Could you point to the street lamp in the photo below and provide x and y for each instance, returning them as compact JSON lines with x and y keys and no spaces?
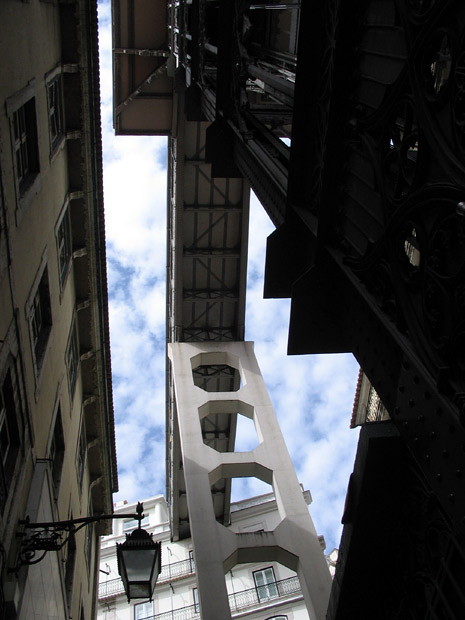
{"x":139,"y":563}
{"x":139,"y":557}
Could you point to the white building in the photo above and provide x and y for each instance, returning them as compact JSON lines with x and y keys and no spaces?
{"x":260,"y":591}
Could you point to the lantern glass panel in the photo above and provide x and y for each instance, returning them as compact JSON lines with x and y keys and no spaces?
{"x":139,"y":563}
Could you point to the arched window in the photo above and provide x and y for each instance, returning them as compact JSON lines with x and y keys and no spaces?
{"x":277,"y":618}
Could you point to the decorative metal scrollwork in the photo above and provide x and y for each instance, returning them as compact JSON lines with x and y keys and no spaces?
{"x":324,"y":97}
{"x":35,"y":543}
{"x":413,"y":260}
{"x":53,"y":536}
{"x":458,"y":99}
{"x":437,"y":65}
{"x":420,"y":8}
{"x":401,"y":151}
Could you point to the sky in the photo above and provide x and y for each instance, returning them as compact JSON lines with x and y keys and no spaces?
{"x":312,"y":395}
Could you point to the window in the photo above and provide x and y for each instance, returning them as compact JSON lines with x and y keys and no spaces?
{"x":57,"y":452}
{"x":265,"y":584}
{"x":195,"y":594}
{"x":55,"y":111}
{"x":21,"y":111}
{"x":277,"y":618}
{"x":131,"y":524}
{"x":72,"y":358}
{"x":25,"y":144}
{"x":70,"y":565}
{"x":64,"y":244}
{"x":143,"y":610}
{"x":9,"y":433}
{"x":40,"y":319}
{"x":81,"y":455}
{"x":89,"y":541}
{"x":191,"y":560}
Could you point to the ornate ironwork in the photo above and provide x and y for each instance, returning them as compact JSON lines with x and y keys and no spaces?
{"x":175,"y":570}
{"x":37,"y":539}
{"x":375,"y":410}
{"x":238,"y":601}
{"x":408,"y":151}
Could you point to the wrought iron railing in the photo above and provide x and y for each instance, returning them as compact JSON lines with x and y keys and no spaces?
{"x":375,"y":410}
{"x":183,"y":613}
{"x":177,"y":569}
{"x":168,"y":573}
{"x":239,"y":600}
{"x":110,"y":588}
{"x":264,"y":593}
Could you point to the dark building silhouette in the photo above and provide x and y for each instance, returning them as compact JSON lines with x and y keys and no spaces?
{"x":367,"y":191}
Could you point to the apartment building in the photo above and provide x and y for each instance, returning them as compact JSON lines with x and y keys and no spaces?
{"x":57,"y":451}
{"x":256,"y":591}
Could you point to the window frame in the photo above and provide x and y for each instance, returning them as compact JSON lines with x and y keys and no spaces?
{"x":70,"y":568}
{"x":141,"y":605}
{"x":131,"y":524}
{"x":260,"y":588}
{"x":23,"y":106}
{"x":40,"y":327}
{"x":72,"y":358}
{"x":195,"y":598}
{"x":11,"y":420}
{"x":56,"y":450}
{"x":3,"y":237}
{"x":81,"y":455}
{"x":64,"y":241}
{"x":90,"y":536}
{"x":55,"y":109}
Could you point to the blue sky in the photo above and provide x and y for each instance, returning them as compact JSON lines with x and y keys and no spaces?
{"x":312,"y":395}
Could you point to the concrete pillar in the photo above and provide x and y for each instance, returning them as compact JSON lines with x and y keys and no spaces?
{"x":294,"y":542}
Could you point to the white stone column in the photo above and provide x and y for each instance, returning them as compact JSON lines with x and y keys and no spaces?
{"x":294,"y":542}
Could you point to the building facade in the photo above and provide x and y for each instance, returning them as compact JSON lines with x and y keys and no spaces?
{"x":57,"y":451}
{"x":368,"y":406}
{"x":257,"y":591}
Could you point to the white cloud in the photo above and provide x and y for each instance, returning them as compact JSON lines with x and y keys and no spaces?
{"x":135,"y":209}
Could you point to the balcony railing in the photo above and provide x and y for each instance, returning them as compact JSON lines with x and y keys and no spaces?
{"x":239,"y":600}
{"x":177,"y":569}
{"x":110,"y":588}
{"x":262,"y":594}
{"x":183,"y":613}
{"x":168,"y":573}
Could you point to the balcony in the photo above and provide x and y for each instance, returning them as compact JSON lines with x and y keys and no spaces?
{"x":169,"y":572}
{"x":275,"y":591}
{"x":264,"y":594}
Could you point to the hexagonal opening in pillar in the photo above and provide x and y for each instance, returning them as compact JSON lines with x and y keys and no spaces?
{"x":216,"y":372}
{"x":247,"y":478}
{"x":247,"y":487}
{"x":228,"y":426}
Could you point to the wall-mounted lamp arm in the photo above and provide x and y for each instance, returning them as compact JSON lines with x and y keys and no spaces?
{"x":53,"y":535}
